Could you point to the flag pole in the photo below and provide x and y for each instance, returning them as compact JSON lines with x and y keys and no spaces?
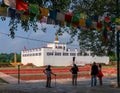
{"x":118,"y":50}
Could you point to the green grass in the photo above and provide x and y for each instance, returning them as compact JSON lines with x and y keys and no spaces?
{"x":109,"y":66}
{"x":3,"y":81}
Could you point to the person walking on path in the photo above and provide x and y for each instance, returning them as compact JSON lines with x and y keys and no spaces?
{"x":94,"y":72}
{"x":48,"y":73}
{"x":74,"y":70}
{"x":100,"y":74}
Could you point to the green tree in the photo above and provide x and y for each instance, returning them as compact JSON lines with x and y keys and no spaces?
{"x":91,"y":39}
{"x":18,"y":57}
{"x":3,"y":58}
{"x":11,"y":57}
{"x":7,"y":58}
{"x":88,"y":39}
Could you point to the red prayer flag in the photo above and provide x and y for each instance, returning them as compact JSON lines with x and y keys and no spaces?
{"x":107,"y":19}
{"x":68,"y":17}
{"x":99,"y":25}
{"x":21,"y":5}
{"x":105,"y":34}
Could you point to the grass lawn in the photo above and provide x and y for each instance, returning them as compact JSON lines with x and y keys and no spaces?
{"x":110,"y":66}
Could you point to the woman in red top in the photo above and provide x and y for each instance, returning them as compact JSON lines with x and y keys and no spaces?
{"x":100,"y":74}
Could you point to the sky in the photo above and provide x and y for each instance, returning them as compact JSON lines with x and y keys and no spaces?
{"x":9,"y":45}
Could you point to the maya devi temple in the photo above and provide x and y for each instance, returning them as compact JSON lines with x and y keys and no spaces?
{"x":57,"y":54}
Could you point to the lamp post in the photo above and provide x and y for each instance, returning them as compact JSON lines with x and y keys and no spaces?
{"x":118,"y":45}
{"x":73,"y":60}
{"x":18,"y":73}
{"x":118,"y":58}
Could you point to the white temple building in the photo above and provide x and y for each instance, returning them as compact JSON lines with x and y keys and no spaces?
{"x":57,"y":54}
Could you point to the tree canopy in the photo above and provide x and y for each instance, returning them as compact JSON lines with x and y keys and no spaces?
{"x":89,"y":39}
{"x":7,"y":58}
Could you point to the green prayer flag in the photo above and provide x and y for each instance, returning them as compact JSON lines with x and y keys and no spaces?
{"x":34,"y":9}
{"x":76,"y":17}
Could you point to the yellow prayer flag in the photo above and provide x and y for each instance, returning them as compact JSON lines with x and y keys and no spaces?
{"x":44,"y":11}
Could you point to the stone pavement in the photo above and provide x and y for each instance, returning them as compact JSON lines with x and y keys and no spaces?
{"x":60,"y":86}
{"x":8,"y":78}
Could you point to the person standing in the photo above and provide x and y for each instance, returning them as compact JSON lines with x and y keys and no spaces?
{"x":94,"y":72}
{"x":100,"y":74}
{"x":74,"y":70}
{"x":48,"y":73}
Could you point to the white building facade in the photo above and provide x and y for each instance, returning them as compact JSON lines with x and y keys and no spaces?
{"x":57,"y":54}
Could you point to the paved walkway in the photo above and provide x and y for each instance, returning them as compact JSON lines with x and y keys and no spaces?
{"x":8,"y":78}
{"x":58,"y":86}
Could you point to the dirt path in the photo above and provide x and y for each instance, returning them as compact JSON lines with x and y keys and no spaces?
{"x":37,"y":73}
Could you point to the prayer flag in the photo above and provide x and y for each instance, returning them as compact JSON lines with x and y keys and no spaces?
{"x":33,"y":8}
{"x":44,"y":11}
{"x":3,"y":11}
{"x":82,"y":22}
{"x":88,"y":23}
{"x":10,"y":3}
{"x":107,"y":19}
{"x":99,"y":25}
{"x":21,"y":5}
{"x":68,"y":17}
{"x":76,"y":17}
{"x":60,"y":16}
{"x":53,"y":14}
{"x":105,"y":38}
{"x":83,"y":15}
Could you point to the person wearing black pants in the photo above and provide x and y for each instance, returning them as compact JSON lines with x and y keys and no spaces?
{"x":74,"y":70}
{"x":48,"y":73}
{"x":94,"y":73}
